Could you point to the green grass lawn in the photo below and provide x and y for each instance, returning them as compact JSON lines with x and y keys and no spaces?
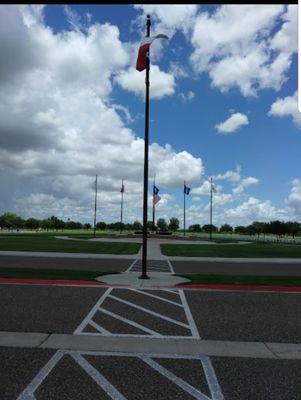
{"x":264,"y":250}
{"x":222,"y":240}
{"x":41,"y":242}
{"x":35,"y":273}
{"x":244,"y":280}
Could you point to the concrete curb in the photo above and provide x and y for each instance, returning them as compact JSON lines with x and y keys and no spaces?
{"x":59,"y":282}
{"x":185,"y":347}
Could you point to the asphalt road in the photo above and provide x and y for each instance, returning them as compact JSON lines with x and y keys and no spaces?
{"x":77,"y":264}
{"x":119,"y":265}
{"x":228,"y":268}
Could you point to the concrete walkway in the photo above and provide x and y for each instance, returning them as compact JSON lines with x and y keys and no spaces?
{"x":185,"y":347}
{"x":153,"y":251}
{"x":156,"y":279}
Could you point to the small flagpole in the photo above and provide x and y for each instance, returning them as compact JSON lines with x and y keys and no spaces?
{"x":184,"y":208}
{"x":95,"y":206}
{"x":211,"y":208}
{"x":146,"y":140}
{"x":121,"y":208}
{"x":154,"y":203}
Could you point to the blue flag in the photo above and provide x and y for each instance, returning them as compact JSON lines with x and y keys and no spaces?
{"x":156,"y":190}
{"x":186,"y":189}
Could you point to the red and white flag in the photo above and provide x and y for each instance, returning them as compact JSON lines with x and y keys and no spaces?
{"x":144,"y":50}
{"x":157,"y":198}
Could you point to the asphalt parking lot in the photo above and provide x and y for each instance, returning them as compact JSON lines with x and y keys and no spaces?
{"x":101,"y":376}
{"x":172,"y":315}
{"x":274,"y":317}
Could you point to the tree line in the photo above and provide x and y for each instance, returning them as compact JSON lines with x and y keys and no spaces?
{"x":12,"y":221}
{"x":278,"y":228}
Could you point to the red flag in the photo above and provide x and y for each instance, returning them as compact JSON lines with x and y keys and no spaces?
{"x":144,"y":49}
{"x":122,"y":188}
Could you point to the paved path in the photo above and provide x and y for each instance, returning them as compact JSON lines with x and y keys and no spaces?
{"x":153,"y":251}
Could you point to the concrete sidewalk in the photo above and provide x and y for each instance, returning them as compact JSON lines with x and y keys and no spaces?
{"x":184,"y":347}
{"x":157,"y":279}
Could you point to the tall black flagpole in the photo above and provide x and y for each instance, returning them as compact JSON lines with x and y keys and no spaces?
{"x":154,"y":204}
{"x":95,"y":206}
{"x":211,"y":208}
{"x":184,"y":210}
{"x":146,"y":140}
{"x":121,"y":207}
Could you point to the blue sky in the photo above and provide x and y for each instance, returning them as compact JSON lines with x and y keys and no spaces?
{"x":223,"y":101}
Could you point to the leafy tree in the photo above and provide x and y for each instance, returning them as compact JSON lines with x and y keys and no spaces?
{"x":240,"y":229}
{"x":11,"y":221}
{"x":195,"y":228}
{"x":137,"y":226}
{"x":150,"y":226}
{"x":256,"y":227}
{"x":57,"y":223}
{"x":128,"y":227}
{"x":173,"y":224}
{"x":207,"y":228}
{"x":32,"y":223}
{"x":277,"y":228}
{"x":292,"y":228}
{"x":162,"y":225}
{"x":101,"y":225}
{"x":47,"y":224}
{"x":226,"y":228}
{"x":73,"y":225}
{"x":87,"y":226}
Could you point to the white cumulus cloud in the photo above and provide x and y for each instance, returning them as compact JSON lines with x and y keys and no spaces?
{"x":293,"y":202}
{"x":287,"y":107}
{"x":162,"y":83}
{"x":238,"y":46}
{"x":233,"y":123}
{"x":59,"y":126}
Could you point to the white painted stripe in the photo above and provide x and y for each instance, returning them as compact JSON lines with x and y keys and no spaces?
{"x":86,"y":320}
{"x":28,"y":393}
{"x":213,"y":384}
{"x":149,"y":311}
{"x":175,"y":379}
{"x":133,"y":323}
{"x":170,"y":266}
{"x":98,"y":328}
{"x":175,"y":291}
{"x":131,"y":335}
{"x":192,"y":325}
{"x":144,"y":292}
{"x":131,"y":266}
{"x":98,"y":377}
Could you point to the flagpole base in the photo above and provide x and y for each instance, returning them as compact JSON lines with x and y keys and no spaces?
{"x":144,"y":276}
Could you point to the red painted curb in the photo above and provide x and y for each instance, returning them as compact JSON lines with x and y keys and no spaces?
{"x":193,"y":286}
{"x":244,"y":287}
{"x":50,"y":281}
